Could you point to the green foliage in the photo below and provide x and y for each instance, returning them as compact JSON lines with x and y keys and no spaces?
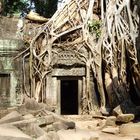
{"x":14,"y":6}
{"x":46,"y":9}
{"x":95,"y":27}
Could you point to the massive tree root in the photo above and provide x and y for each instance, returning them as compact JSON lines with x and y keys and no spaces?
{"x":108,"y":30}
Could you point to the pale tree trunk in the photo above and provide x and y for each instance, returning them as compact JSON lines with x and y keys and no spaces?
{"x":110,"y":54}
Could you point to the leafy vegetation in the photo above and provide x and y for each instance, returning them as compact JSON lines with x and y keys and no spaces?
{"x":95,"y":27}
{"x":14,"y":6}
{"x":45,"y":8}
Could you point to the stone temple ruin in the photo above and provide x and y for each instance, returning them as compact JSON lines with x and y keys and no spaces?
{"x":10,"y":69}
{"x":10,"y":72}
{"x":66,"y":82}
{"x":71,"y":89}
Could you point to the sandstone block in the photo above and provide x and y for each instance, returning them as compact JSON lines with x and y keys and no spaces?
{"x":117,"y":111}
{"x":59,"y":125}
{"x":111,"y":121}
{"x":111,"y":130}
{"x":11,"y":117}
{"x":125,"y":118}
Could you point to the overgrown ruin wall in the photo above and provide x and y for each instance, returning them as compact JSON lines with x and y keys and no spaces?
{"x":10,"y":72}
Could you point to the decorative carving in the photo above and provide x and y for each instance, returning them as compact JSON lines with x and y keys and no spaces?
{"x":69,"y":72}
{"x":67,"y":58}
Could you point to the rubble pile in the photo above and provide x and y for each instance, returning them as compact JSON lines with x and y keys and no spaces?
{"x":36,"y":121}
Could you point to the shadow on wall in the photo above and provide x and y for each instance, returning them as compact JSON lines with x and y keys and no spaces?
{"x":118,"y":99}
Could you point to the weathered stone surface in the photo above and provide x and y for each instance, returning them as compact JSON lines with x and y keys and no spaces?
{"x":117,"y":111}
{"x":49,"y":119}
{"x":125,"y":118}
{"x":11,"y":117}
{"x":130,"y":129}
{"x":126,"y":107}
{"x":9,"y":132}
{"x":33,"y":130}
{"x":41,"y":121}
{"x":3,"y":112}
{"x":46,"y":106}
{"x":70,"y":125}
{"x":111,"y":130}
{"x":59,"y":125}
{"x":10,"y":109}
{"x":111,"y":121}
{"x":49,"y":128}
{"x":101,"y":124}
{"x":31,"y":104}
{"x":45,"y":120}
{"x":28,"y":116}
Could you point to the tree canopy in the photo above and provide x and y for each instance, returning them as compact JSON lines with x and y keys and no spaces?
{"x":44,"y":8}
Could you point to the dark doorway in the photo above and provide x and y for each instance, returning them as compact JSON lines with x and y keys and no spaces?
{"x":69,"y":97}
{"x":4,"y":89}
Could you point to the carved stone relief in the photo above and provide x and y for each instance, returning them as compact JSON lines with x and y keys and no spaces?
{"x":67,"y":58}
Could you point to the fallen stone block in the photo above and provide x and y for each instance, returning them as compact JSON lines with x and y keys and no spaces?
{"x":49,"y":128}
{"x":125,"y":118}
{"x":117,"y":110}
{"x":47,"y":107}
{"x":101,"y":124}
{"x":111,"y":121}
{"x":49,"y":119}
{"x":11,"y":117}
{"x":70,"y":125}
{"x":23,"y":123}
{"x":111,"y":130}
{"x":41,"y":121}
{"x":60,"y":126}
{"x":28,"y":116}
{"x":33,"y":130}
{"x":126,"y":107}
{"x":9,"y":132}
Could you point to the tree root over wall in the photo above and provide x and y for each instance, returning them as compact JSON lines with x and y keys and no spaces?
{"x":108,"y":30}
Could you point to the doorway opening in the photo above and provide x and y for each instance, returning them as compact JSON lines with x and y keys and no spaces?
{"x":4,"y":89}
{"x":69,"y":97}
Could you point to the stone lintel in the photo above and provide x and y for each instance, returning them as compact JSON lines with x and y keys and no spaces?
{"x":69,"y":72}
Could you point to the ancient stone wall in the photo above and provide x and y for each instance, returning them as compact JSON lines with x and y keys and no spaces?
{"x":10,"y":68}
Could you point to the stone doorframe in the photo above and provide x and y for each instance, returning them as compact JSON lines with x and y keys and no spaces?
{"x":80,"y":91}
{"x":59,"y":74}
